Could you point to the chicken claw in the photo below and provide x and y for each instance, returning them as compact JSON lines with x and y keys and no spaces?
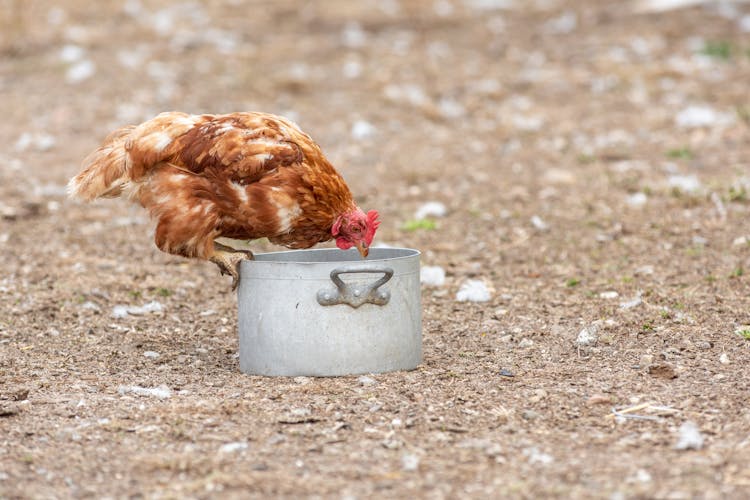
{"x":229,"y":263}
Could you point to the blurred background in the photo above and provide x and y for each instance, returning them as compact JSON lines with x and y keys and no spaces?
{"x":419,"y":90}
{"x":583,"y":165}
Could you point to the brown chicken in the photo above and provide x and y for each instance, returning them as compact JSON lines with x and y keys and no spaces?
{"x":241,"y":175}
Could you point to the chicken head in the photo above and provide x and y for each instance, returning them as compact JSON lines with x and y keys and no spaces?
{"x":356,"y":229}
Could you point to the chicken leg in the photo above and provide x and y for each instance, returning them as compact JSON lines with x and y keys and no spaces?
{"x":228,"y":259}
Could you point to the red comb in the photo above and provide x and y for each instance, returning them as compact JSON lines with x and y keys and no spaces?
{"x":372,"y":225}
{"x":372,"y":218}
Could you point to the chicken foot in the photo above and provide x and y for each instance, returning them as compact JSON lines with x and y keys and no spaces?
{"x":228,"y":259}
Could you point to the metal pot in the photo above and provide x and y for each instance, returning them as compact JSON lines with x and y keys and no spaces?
{"x":328,"y":312}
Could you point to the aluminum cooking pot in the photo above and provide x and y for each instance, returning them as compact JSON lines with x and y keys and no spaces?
{"x":329,"y":312}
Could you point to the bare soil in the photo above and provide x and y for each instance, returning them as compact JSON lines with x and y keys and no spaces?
{"x":559,"y":136}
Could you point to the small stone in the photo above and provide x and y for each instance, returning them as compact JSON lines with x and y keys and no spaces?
{"x":636,"y":200}
{"x":629,"y":304}
{"x":90,"y":306}
{"x":563,"y":24}
{"x":120,"y":311}
{"x":539,"y":395}
{"x":233,"y":447}
{"x":433,"y":276}
{"x":559,"y":176}
{"x":123,"y":311}
{"x":300,"y":412}
{"x":410,"y":462}
{"x":646,"y":361}
{"x":686,"y":183}
{"x":71,"y":53}
{"x":535,"y":456}
{"x":160,"y":392}
{"x":701,"y":116}
{"x":724,"y":359}
{"x":588,"y":336}
{"x":489,"y":5}
{"x":80,"y":71}
{"x":610,"y":294}
{"x":407,"y":93}
{"x":740,"y":241}
{"x":642,"y":476}
{"x":148,"y":307}
{"x":505,"y":373}
{"x":474,"y":291}
{"x":391,"y":444}
{"x":703,"y":344}
{"x":530,"y":415}
{"x":539,"y":223}
{"x":8,"y":213}
{"x":352,"y":69}
{"x":450,"y":108}
{"x":527,"y":123}
{"x":44,"y":142}
{"x":39,"y":142}
{"x":353,"y":36}
{"x":524,"y":343}
{"x":644,"y":270}
{"x":302,"y":380}
{"x":430,"y":209}
{"x":152,"y":354}
{"x":365,"y":380}
{"x":690,"y":437}
{"x":362,"y":130}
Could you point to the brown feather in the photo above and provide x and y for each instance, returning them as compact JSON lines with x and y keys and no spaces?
{"x":241,"y":175}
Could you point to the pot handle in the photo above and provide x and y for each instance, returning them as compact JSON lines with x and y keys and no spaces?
{"x":355,"y":295}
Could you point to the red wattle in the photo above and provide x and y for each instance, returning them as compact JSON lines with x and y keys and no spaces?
{"x":343,"y":243}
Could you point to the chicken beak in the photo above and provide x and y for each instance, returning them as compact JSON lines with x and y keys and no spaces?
{"x":363,"y":249}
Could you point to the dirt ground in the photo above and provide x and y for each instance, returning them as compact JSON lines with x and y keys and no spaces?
{"x":595,"y":166}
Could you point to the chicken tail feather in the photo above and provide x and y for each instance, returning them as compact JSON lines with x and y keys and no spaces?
{"x":106,"y":170}
{"x":128,"y":154}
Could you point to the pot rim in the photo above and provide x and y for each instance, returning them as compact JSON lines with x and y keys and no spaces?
{"x":408,"y":253}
